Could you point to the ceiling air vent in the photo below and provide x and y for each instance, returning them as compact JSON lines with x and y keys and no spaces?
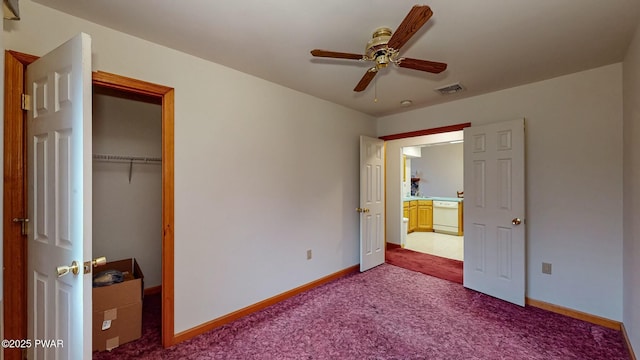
{"x":450,"y":89}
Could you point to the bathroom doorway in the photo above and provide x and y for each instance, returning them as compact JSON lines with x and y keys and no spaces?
{"x":396,"y":187}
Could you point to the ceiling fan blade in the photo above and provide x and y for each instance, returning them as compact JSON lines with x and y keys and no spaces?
{"x":366,"y":79}
{"x":422,"y":65}
{"x":414,"y":20}
{"x":334,"y":54}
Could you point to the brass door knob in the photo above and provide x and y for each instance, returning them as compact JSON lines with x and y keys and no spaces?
{"x":516,"y":221}
{"x":64,"y":270}
{"x":100,"y":261}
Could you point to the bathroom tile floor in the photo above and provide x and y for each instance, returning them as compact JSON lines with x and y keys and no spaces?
{"x":448,"y":246}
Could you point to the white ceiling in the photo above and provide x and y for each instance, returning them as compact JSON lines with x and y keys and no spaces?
{"x":488,"y":45}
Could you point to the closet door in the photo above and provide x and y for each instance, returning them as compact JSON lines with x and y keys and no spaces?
{"x":59,"y":202}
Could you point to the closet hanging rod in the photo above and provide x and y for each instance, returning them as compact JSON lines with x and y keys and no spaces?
{"x":123,"y":158}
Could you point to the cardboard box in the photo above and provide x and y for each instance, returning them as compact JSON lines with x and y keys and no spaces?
{"x":117,"y":308}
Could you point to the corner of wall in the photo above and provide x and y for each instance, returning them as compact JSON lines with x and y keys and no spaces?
{"x":631,"y":169}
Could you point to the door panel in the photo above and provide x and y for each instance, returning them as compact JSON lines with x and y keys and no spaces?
{"x":371,"y":202}
{"x":59,"y":200}
{"x":494,"y":247}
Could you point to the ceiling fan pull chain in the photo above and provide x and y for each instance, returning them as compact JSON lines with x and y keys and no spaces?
{"x":375,"y":87}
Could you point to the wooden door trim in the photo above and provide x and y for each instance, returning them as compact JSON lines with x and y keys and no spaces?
{"x":166,"y":94}
{"x":431,"y":131}
{"x":14,"y":204}
{"x":14,"y":200}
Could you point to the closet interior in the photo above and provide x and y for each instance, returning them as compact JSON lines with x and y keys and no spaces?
{"x":127,"y":182}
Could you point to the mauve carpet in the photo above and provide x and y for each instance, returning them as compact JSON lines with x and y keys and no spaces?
{"x":386,"y":313}
{"x":440,"y":267}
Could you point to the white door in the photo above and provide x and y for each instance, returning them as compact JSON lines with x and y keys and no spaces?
{"x":494,"y":210}
{"x":371,"y":202}
{"x":59,"y":201}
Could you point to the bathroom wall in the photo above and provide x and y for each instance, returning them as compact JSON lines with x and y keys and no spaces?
{"x":440,"y":169}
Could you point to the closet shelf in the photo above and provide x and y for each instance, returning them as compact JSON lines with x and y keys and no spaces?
{"x":128,"y":159}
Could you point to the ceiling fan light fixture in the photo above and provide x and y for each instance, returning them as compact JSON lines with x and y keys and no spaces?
{"x":378,"y":41}
{"x":382,"y":61}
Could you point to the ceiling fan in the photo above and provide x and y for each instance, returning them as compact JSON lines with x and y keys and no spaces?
{"x":384,"y":48}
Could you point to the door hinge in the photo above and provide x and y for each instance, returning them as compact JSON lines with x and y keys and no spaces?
{"x":24,"y":223}
{"x":26,"y":102}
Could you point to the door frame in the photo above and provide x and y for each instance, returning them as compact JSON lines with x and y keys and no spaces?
{"x":14,"y":192}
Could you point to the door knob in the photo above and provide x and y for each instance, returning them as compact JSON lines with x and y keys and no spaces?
{"x":64,"y":270}
{"x":99,"y":261}
{"x":516,"y":221}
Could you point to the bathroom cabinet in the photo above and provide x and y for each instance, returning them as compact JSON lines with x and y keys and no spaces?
{"x":419,"y":213}
{"x":425,"y":215}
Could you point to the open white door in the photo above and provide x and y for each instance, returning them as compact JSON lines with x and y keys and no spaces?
{"x":59,"y":201}
{"x":371,"y":202}
{"x":494,"y":210}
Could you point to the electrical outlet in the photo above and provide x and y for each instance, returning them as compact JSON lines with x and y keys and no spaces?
{"x":546,"y":268}
{"x":309,"y":254}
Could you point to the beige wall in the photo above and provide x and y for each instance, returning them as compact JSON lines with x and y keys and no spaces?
{"x":631,"y":82}
{"x":573,"y":180}
{"x":243,"y":222}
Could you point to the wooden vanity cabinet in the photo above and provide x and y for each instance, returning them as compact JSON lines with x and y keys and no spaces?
{"x":425,"y":215}
{"x":405,"y":209}
{"x":419,"y":213}
{"x":413,"y":215}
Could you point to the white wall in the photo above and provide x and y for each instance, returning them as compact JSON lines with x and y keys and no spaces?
{"x":242,"y":228}
{"x":127,"y":216}
{"x":631,"y":86}
{"x":412,"y":151}
{"x":573,"y":181}
{"x":440,"y":169}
